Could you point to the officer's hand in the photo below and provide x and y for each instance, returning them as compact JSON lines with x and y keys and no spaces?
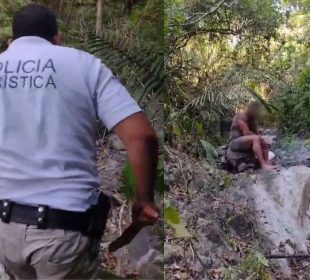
{"x":145,"y":212}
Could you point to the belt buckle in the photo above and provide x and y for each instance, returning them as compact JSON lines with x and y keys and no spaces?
{"x":6,"y":209}
{"x":42,"y":212}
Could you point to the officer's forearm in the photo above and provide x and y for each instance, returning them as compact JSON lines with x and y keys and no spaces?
{"x":141,"y":143}
{"x":142,"y":154}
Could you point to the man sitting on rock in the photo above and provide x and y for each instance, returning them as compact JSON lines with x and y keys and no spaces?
{"x":244,"y":135}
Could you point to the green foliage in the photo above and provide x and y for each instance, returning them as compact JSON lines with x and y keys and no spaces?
{"x":225,"y":181}
{"x":221,"y":54}
{"x":288,"y":142}
{"x":147,"y":19}
{"x":269,"y":107}
{"x":128,"y":185}
{"x":208,"y":152}
{"x":231,"y":273}
{"x":307,"y":144}
{"x":209,"y":60}
{"x":173,"y":220}
{"x":172,"y":215}
{"x":294,"y":110}
{"x":8,"y":8}
{"x":160,"y":180}
{"x":139,"y":68}
{"x":255,"y":265}
{"x":128,"y":182}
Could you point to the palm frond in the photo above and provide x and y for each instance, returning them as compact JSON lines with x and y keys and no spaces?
{"x":139,"y":68}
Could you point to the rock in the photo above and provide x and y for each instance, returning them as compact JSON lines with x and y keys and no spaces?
{"x":241,"y":225}
{"x":269,"y":139}
{"x":207,"y":261}
{"x":112,"y":164}
{"x":3,"y":275}
{"x":177,"y":174}
{"x":240,"y":161}
{"x":117,"y":144}
{"x":214,"y":235}
{"x":170,"y":178}
{"x":99,"y":142}
{"x":284,"y":200}
{"x":151,"y":271}
{"x":265,"y":209}
{"x":221,"y":151}
{"x":199,"y":184}
{"x":172,"y":253}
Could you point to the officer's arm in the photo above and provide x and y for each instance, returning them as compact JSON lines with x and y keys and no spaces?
{"x":120,"y":112}
{"x":141,"y":144}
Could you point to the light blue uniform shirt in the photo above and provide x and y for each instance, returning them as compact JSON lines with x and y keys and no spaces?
{"x":50,"y":97}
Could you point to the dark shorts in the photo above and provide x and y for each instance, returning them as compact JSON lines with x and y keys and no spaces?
{"x":238,"y":145}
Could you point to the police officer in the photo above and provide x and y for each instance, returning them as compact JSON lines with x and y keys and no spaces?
{"x":50,"y":97}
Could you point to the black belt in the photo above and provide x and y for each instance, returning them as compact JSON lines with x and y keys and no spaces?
{"x":44,"y":217}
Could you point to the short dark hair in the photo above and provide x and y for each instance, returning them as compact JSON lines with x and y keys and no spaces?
{"x":35,"y":20}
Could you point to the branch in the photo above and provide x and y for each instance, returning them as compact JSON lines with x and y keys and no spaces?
{"x":201,"y":262}
{"x":223,"y":31}
{"x":288,"y":256}
{"x":204,"y":15}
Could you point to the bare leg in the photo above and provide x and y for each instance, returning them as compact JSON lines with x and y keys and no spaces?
{"x":259,"y":152}
{"x":265,"y":150}
{"x":253,"y":142}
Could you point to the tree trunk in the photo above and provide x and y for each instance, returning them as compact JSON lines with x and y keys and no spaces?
{"x":99,"y":22}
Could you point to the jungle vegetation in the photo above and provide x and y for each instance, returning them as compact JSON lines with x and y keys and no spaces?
{"x":222,"y":53}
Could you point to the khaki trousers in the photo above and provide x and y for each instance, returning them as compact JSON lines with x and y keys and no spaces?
{"x":30,"y":253}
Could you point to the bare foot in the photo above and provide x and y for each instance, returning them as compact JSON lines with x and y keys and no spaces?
{"x":268,"y":167}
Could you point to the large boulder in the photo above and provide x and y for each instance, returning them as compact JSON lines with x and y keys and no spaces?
{"x":282,"y":204}
{"x":3,"y":275}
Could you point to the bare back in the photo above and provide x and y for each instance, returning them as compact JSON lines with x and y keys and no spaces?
{"x":236,"y":131}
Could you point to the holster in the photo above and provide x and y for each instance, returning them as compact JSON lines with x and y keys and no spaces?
{"x":99,"y":215}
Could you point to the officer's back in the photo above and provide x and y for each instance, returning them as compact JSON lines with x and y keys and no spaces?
{"x":50,"y":98}
{"x":47,"y":122}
